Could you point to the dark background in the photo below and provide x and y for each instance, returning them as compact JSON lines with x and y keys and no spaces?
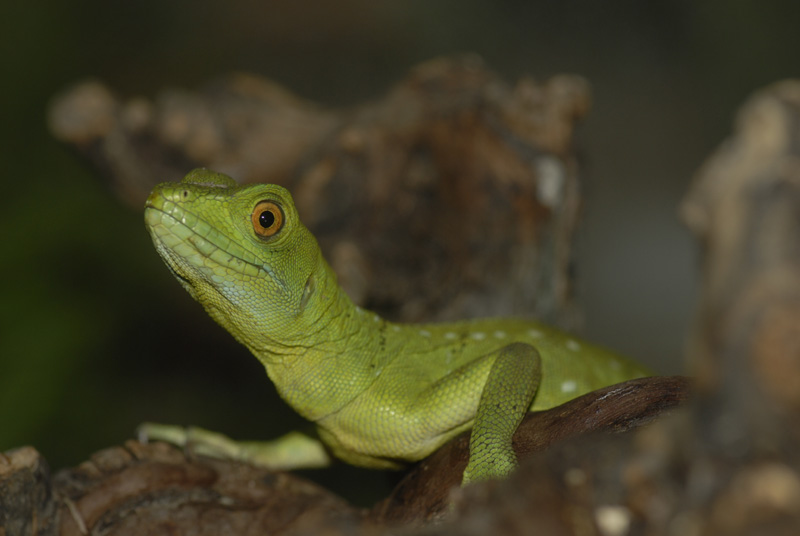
{"x":93,"y":331}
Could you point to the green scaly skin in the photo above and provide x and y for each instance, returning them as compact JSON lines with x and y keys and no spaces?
{"x":381,"y":394}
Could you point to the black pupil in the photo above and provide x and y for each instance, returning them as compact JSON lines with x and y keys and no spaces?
{"x":266,"y":219}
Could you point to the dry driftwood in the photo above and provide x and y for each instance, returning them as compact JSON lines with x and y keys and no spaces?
{"x":426,"y":492}
{"x":743,"y":475}
{"x":453,"y":196}
{"x":157,"y":489}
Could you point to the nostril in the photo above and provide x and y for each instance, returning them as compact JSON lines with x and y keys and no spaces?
{"x":151,"y":199}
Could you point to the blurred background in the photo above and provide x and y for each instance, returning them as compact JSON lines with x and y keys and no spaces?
{"x":94,"y":331}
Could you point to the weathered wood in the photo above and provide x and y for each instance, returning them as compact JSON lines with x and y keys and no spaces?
{"x":745,"y":427}
{"x":27,"y":507}
{"x":154,"y":489}
{"x":158,"y":489}
{"x":426,"y":492}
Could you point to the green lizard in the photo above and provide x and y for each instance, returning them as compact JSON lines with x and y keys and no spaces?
{"x":381,"y":394}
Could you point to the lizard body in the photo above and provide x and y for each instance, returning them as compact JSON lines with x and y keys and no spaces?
{"x":381,"y":394}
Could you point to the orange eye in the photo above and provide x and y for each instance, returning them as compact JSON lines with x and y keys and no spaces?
{"x":267,"y":219}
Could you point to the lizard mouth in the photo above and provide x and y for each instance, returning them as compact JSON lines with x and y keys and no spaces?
{"x":184,"y":240}
{"x":169,"y":260}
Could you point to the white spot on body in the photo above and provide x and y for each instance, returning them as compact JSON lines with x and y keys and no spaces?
{"x":573,"y":345}
{"x":616,"y":365}
{"x":569,"y":386}
{"x":450,"y":335}
{"x":376,"y":318}
{"x":534,"y":333}
{"x":425,"y":333}
{"x":500,"y":334}
{"x":395,"y":328}
{"x":478,"y":335}
{"x":387,"y":410}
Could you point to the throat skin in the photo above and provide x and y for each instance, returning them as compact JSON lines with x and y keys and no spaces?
{"x":331,"y":356}
{"x":381,"y":394}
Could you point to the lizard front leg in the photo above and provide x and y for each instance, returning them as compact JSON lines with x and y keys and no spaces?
{"x":506,"y":397}
{"x":294,"y":450}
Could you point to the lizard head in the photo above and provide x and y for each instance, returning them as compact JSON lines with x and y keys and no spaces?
{"x":242,"y":252}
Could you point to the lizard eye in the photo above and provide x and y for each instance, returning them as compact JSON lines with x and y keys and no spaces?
{"x":267,"y":219}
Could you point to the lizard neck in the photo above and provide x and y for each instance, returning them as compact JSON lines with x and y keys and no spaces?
{"x":330,"y":354}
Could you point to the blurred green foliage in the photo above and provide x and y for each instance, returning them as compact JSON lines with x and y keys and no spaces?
{"x":94,"y":335}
